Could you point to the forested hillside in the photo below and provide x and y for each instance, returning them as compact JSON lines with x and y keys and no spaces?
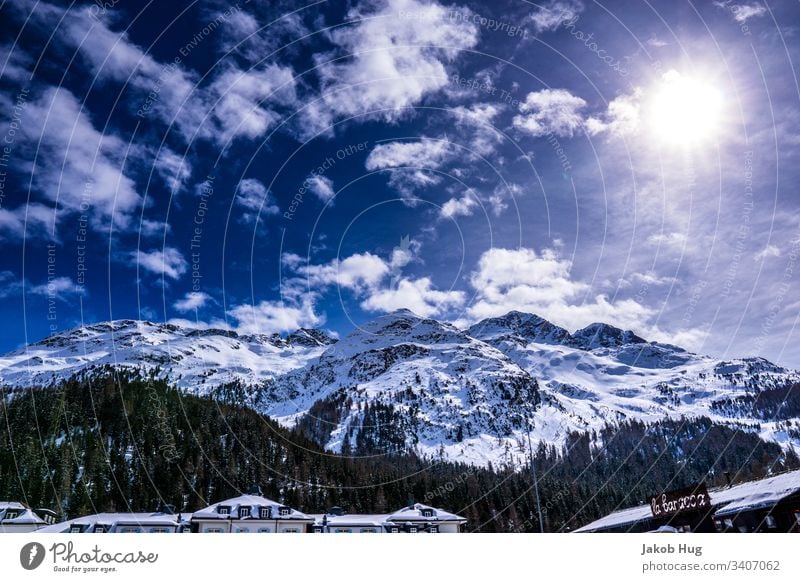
{"x":117,"y":441}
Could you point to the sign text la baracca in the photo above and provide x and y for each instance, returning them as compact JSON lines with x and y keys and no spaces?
{"x":680,"y":501}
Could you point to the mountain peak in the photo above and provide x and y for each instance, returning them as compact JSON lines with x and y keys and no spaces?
{"x":527,"y":326}
{"x":603,"y":335}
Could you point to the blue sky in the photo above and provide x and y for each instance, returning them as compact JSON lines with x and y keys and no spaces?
{"x":265,"y":167}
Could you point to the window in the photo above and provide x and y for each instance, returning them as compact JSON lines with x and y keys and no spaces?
{"x":160,"y":530}
{"x":11,"y":514}
{"x":434,"y":529}
{"x":368,"y":530}
{"x":729,"y":523}
{"x":317,"y":529}
{"x":394,"y":530}
{"x":770,"y":520}
{"x":263,"y":530}
{"x":244,"y":512}
{"x":265,"y":512}
{"x":75,"y":528}
{"x":224,"y":510}
{"x":342,"y":530}
{"x":290,"y":530}
{"x":412,"y":529}
{"x":100,"y":528}
{"x":285,"y":511}
{"x":427,"y":513}
{"x":242,"y":530}
{"x":718,"y":525}
{"x":213,"y":530}
{"x":129,"y":529}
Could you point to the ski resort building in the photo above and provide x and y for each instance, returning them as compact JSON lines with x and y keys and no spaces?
{"x":156,"y":522}
{"x":250,"y":514}
{"x":766,"y":505}
{"x":416,"y":518}
{"x":16,"y":518}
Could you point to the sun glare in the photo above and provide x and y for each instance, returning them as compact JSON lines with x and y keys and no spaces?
{"x":684,"y":110}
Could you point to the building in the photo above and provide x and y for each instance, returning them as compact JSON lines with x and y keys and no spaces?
{"x":766,"y":505}
{"x":416,"y":518}
{"x":250,"y":514}
{"x":16,"y":518}
{"x":156,"y":522}
{"x":254,"y":513}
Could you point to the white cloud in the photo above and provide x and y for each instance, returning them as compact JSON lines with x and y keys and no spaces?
{"x":767,"y":252}
{"x":59,"y":287}
{"x":480,"y":118}
{"x":418,"y":295}
{"x":174,"y":169}
{"x":322,"y":187}
{"x":396,"y":51}
{"x":408,"y":162}
{"x":742,"y":12}
{"x":622,"y":117}
{"x":550,"y":15}
{"x":168,"y":262}
{"x":77,"y":166}
{"x":254,"y":198}
{"x":454,"y":207}
{"x":192,"y":300}
{"x":274,"y":316}
{"x":521,"y":279}
{"x":548,"y":111}
{"x":356,"y":272}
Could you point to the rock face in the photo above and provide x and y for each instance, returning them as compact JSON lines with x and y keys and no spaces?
{"x":402,"y":381}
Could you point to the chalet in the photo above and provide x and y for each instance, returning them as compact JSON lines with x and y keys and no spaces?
{"x":16,"y":518}
{"x":766,"y":505}
{"x":250,"y":514}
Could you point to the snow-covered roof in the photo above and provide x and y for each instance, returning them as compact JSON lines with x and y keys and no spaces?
{"x":416,"y":513}
{"x":21,"y":514}
{"x":254,"y":502}
{"x":751,"y":495}
{"x":356,"y":519}
{"x":757,"y":494}
{"x":114,"y":520}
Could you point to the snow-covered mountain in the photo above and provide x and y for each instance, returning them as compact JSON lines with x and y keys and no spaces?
{"x":403,"y":381}
{"x":194,"y":359}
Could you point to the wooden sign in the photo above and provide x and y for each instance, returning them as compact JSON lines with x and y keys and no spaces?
{"x":680,"y":501}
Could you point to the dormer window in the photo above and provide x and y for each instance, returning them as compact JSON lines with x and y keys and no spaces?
{"x":224,"y":510}
{"x":412,"y":529}
{"x":285,"y":511}
{"x":434,"y":529}
{"x":427,"y":513}
{"x":394,"y":530}
{"x":75,"y":528}
{"x":11,"y":514}
{"x":265,"y":512}
{"x":244,"y":512}
{"x":100,"y":528}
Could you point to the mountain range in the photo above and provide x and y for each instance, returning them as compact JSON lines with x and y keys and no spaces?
{"x":402,"y":382}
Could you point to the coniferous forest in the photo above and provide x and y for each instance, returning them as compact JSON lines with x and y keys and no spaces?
{"x":119,"y":441}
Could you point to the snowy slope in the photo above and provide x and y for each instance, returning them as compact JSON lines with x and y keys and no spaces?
{"x":403,"y":381}
{"x":196,"y":360}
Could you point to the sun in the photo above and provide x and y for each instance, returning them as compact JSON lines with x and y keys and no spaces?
{"x":684,"y":110}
